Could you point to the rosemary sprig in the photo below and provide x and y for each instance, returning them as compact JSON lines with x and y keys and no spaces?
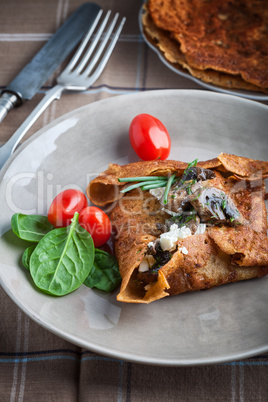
{"x":169,"y":184}
{"x":142,"y":178}
{"x":147,"y":183}
{"x":156,"y":184}
{"x":150,"y":182}
{"x":193,"y":163}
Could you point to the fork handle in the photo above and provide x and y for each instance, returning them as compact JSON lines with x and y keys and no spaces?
{"x":9,"y":147}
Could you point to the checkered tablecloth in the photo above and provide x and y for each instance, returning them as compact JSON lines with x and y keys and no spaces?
{"x":36,"y":365}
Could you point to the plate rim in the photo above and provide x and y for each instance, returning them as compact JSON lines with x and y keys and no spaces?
{"x":124,"y":356}
{"x":131,"y":357}
{"x":184,"y":92}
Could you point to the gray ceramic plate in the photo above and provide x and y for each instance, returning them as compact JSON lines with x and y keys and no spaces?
{"x":184,"y":73}
{"x":217,"y":325}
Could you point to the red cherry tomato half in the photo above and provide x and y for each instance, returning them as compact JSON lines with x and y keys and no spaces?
{"x":97,"y":223}
{"x":149,"y":137}
{"x":64,"y":205}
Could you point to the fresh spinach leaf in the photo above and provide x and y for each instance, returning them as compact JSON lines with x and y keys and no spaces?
{"x":30,"y":227}
{"x":105,"y":272}
{"x":27,"y":255}
{"x":62,"y":259}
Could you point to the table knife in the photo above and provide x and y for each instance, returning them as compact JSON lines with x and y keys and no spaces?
{"x":48,"y":59}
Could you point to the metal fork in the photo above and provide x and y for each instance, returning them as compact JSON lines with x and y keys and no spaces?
{"x":81,"y":72}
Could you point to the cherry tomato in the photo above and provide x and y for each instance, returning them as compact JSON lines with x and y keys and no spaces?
{"x":149,"y":137}
{"x":64,"y":205}
{"x":97,"y":223}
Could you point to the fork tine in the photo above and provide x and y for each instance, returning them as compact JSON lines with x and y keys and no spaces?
{"x":103,"y":45}
{"x":83,"y":44}
{"x":93,"y":44}
{"x":70,"y":80}
{"x":106,"y":55}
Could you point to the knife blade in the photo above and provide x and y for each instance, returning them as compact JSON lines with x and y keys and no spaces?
{"x":48,"y":59}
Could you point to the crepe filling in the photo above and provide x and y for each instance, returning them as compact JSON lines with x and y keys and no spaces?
{"x":193,"y":205}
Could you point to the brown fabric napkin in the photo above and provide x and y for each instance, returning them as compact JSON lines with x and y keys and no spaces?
{"x":36,"y":365}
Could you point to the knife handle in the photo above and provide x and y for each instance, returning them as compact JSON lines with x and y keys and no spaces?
{"x":9,"y":147}
{"x":7,"y":101}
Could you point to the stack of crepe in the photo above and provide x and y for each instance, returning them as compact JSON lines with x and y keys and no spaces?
{"x":224,"y":43}
{"x":224,"y":252}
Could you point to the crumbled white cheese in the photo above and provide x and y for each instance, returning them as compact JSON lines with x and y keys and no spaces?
{"x":147,"y":262}
{"x":170,"y":212}
{"x":157,"y":192}
{"x":151,"y":260}
{"x":168,"y":239}
{"x":183,"y":250}
{"x":201,"y":228}
{"x":144,"y":266}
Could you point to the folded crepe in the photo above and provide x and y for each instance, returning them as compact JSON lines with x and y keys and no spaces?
{"x":218,"y":42}
{"x":212,"y":231}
